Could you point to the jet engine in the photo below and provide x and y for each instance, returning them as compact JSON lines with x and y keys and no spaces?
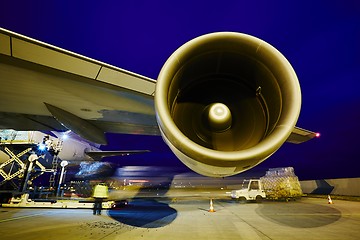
{"x":225,"y":102}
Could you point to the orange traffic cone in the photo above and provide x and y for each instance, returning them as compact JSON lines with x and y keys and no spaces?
{"x":211,"y":206}
{"x":329,"y":200}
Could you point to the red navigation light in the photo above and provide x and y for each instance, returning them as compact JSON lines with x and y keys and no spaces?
{"x":317,"y":135}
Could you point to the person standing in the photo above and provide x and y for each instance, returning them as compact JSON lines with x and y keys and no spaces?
{"x":100,"y":193}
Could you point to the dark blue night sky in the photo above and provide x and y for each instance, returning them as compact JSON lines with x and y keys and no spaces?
{"x":321,"y":39}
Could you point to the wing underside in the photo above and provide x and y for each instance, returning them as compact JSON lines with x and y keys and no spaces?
{"x":34,"y":73}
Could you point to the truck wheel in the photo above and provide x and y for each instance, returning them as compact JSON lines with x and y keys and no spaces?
{"x":242,"y":200}
{"x":258,"y":199}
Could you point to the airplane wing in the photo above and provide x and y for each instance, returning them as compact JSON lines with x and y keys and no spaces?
{"x":299,"y":135}
{"x":44,"y":87}
{"x":98,"y":155}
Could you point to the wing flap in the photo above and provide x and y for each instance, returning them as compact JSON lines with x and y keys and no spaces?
{"x":31,"y":50}
{"x":39,"y":54}
{"x":125,"y":80}
{"x":5,"y":44}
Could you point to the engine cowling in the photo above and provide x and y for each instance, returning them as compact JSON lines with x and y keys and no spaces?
{"x":225,"y":102}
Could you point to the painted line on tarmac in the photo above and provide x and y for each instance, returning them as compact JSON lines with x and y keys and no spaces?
{"x":21,"y":217}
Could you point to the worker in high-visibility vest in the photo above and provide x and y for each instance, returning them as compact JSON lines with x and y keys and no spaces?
{"x":100,"y":193}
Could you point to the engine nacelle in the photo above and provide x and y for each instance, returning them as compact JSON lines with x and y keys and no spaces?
{"x":225,"y":102}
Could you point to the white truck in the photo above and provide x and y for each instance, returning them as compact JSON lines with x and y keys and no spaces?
{"x":251,"y":190}
{"x":278,"y":184}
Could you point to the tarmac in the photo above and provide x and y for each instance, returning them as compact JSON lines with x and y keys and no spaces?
{"x":189,"y":218}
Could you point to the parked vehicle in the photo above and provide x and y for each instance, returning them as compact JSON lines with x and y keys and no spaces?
{"x":252,"y":190}
{"x":277,"y":184}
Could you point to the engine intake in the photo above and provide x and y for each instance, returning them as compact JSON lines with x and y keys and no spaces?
{"x":225,"y":102}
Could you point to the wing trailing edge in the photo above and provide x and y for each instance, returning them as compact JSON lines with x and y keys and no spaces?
{"x":98,"y":155}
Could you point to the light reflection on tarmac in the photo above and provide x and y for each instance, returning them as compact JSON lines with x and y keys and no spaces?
{"x":188,"y":218}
